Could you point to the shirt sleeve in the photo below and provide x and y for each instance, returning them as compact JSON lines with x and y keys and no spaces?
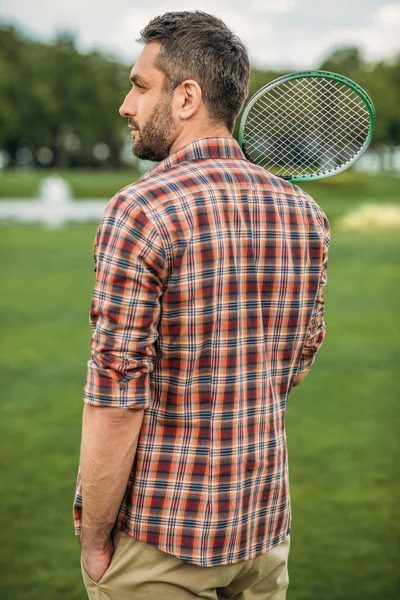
{"x":125,"y":308}
{"x":316,"y":329}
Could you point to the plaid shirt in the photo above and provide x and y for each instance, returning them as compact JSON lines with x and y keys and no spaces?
{"x":208,"y":300}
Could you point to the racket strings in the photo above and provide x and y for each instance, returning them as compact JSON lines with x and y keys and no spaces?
{"x":306,"y":125}
{"x":346,"y":152}
{"x":297,"y":137}
{"x":352,"y":114}
{"x":280,"y":110}
{"x":293,"y":151}
{"x":304,"y":137}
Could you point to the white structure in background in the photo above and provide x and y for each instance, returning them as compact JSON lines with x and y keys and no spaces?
{"x":54,"y":208}
{"x":379,"y":163}
{"x":55,"y":190}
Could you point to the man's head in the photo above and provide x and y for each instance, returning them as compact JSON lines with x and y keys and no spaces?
{"x":191,"y":76}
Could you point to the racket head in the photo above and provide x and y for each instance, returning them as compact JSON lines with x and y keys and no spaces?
{"x":307,"y":125}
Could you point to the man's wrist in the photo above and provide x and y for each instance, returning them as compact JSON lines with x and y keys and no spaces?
{"x":95,"y":546}
{"x":95,"y":541}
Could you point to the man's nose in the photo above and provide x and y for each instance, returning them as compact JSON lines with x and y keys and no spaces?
{"x":127,"y":108}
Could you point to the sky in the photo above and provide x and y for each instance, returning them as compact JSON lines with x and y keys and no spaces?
{"x":278,"y":33}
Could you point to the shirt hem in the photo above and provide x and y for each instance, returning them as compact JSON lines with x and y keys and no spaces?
{"x":214,"y":561}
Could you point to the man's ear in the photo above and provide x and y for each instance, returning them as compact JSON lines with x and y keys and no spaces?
{"x":188,"y":98}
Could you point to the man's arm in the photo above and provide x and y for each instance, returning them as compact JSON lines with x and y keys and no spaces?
{"x":316,"y":329}
{"x":109,"y":441}
{"x":124,"y":316}
{"x":299,"y":378}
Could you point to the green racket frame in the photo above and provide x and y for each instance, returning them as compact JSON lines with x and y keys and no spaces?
{"x":326,"y":75}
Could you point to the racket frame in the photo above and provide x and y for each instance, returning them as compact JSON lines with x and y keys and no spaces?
{"x":304,"y":74}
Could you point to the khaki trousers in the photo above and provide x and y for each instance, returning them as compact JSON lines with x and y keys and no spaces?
{"x":140,"y":571}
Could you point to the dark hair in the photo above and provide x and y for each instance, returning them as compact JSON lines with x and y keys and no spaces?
{"x":199,"y":46}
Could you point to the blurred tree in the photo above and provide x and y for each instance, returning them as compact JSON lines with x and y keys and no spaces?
{"x":54,"y":96}
{"x":345,"y":61}
{"x":11,"y":86}
{"x":384,"y":87}
{"x":56,"y":99}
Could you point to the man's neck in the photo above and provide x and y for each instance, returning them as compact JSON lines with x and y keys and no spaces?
{"x":190,"y":136}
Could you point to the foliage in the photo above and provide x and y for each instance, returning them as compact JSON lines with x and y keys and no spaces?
{"x":51,"y":91}
{"x":55,"y":97}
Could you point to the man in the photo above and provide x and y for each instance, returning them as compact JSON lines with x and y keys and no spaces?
{"x":207,"y":310}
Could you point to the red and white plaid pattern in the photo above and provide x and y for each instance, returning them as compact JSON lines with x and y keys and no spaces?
{"x":208,"y":300}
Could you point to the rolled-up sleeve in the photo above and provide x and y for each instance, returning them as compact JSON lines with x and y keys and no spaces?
{"x":316,"y":328}
{"x":125,"y":308}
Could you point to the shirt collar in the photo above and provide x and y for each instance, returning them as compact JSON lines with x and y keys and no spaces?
{"x":201,"y":149}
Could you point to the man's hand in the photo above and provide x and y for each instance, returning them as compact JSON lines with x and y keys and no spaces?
{"x":109,"y":440}
{"x":96,"y":562}
{"x":299,"y":378}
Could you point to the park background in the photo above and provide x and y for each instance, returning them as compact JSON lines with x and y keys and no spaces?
{"x":60,"y":90}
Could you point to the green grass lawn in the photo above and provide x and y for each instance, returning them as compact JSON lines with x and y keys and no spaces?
{"x":24,"y":183}
{"x":342,"y":421}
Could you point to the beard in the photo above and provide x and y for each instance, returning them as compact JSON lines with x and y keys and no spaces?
{"x":158,"y":133}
